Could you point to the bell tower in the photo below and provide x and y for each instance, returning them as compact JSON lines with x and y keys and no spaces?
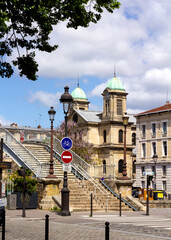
{"x":80,"y":101}
{"x":114,"y":100}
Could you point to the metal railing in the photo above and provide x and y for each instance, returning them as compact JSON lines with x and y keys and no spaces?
{"x":79,"y":172}
{"x":118,"y":197}
{"x":24,"y":155}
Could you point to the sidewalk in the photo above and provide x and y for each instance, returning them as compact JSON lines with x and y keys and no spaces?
{"x":79,"y":226}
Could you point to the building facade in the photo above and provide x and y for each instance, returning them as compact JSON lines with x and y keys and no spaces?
{"x":105,"y":129}
{"x":153,"y":151}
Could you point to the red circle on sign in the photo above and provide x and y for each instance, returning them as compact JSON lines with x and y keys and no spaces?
{"x":66,"y":157}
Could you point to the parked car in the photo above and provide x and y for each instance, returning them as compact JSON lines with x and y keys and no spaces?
{"x":135,"y":192}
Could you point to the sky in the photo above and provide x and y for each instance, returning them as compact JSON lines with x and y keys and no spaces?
{"x":136,"y":39}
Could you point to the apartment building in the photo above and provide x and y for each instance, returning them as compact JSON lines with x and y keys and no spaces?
{"x":154,"y":147}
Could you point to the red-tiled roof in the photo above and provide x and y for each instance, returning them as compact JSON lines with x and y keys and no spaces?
{"x":166,"y":107}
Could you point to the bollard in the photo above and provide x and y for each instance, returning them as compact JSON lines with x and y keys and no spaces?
{"x":3,"y":224}
{"x":106,"y":230}
{"x":120,"y":206}
{"x":47,"y":227}
{"x":91,"y":209}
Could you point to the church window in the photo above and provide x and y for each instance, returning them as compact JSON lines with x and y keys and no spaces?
{"x":119,"y":106}
{"x":75,"y":118}
{"x":134,"y":166}
{"x":120,"y":136}
{"x":104,"y":166}
{"x":134,"y":139}
{"x":107,"y":107}
{"x":104,"y":136}
{"x":120,"y":166}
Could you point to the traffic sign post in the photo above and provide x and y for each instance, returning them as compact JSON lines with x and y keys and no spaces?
{"x":66,"y":143}
{"x":66,"y":167}
{"x":66,"y":157}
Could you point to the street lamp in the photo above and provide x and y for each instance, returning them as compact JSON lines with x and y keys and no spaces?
{"x":124,"y":171}
{"x":66,"y":99}
{"x":155,"y":157}
{"x":51,"y":113}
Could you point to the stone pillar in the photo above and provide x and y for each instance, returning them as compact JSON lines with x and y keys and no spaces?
{"x":125,"y":187}
{"x":50,"y":189}
{"x":12,"y":202}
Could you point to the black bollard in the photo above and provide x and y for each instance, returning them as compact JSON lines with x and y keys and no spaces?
{"x":47,"y":227}
{"x":106,"y":230}
{"x":3,"y":224}
{"x":91,"y":210}
{"x":120,"y":206}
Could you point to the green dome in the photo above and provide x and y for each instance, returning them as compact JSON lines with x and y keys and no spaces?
{"x":115,"y":84}
{"x":78,"y":93}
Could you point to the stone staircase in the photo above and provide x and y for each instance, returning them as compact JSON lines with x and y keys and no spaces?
{"x":40,"y":152}
{"x":80,"y":190}
{"x":80,"y":197}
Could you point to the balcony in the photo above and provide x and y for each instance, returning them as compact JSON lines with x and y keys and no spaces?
{"x":143,"y":136}
{"x":153,"y":135}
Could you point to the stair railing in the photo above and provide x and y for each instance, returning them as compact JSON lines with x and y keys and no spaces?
{"x":76,"y":159}
{"x":117,"y":195}
{"x":96,"y":184}
{"x":9,"y":140}
{"x":80,"y":172}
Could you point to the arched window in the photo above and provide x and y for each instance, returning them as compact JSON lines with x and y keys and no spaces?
{"x":104,"y":166}
{"x":120,"y":166}
{"x":104,"y":136}
{"x":134,"y":166}
{"x":120,"y":136}
{"x":134,"y":139}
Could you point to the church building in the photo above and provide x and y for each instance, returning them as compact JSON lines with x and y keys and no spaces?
{"x":105,"y":129}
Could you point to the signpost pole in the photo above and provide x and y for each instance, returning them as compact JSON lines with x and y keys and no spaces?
{"x":147,"y":200}
{"x":1,"y":158}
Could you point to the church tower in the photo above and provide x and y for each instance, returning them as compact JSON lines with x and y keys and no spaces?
{"x":114,"y":100}
{"x":80,"y":101}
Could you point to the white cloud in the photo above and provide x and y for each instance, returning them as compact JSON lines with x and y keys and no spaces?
{"x":136,"y":38}
{"x":45,"y":98}
{"x":97,"y":91}
{"x":3,"y":121}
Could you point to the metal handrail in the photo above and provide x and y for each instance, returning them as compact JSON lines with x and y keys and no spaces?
{"x":81,"y":161}
{"x":116,"y":195}
{"x":7,"y":132}
{"x":93,"y":181}
{"x":84,"y":175}
{"x":21,"y":160}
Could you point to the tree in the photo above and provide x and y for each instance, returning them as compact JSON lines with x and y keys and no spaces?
{"x":81,"y":147}
{"x":19,"y":181}
{"x":25,"y":25}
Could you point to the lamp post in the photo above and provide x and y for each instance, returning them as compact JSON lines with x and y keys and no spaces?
{"x":124,"y":171}
{"x":51,"y":113}
{"x":22,"y":173}
{"x":66,"y":99}
{"x":155,"y":156}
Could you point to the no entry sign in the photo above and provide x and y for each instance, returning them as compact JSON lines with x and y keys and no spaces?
{"x":66,"y":157}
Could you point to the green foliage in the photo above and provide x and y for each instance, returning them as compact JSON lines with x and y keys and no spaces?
{"x":25,"y":25}
{"x":80,"y":146}
{"x":19,"y":182}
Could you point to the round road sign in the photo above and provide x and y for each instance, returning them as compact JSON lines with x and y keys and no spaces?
{"x":66,"y":157}
{"x":66,"y":143}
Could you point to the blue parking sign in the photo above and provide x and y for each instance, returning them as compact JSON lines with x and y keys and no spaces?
{"x":66,"y":143}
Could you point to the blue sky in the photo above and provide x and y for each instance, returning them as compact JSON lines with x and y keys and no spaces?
{"x":136,"y":38}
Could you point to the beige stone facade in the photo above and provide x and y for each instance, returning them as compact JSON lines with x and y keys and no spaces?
{"x":154,"y":137}
{"x":105,"y":130}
